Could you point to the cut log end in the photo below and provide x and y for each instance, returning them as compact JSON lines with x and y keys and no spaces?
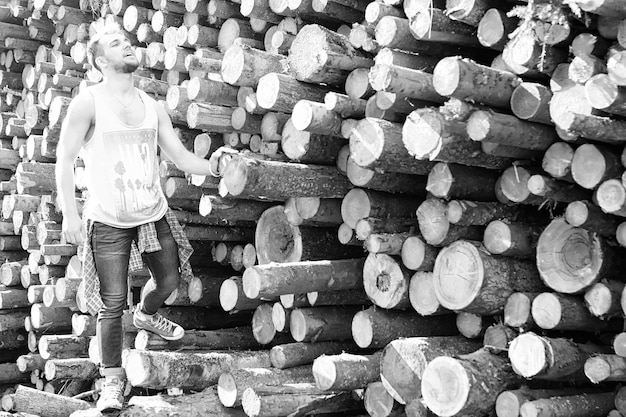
{"x":325,"y":372}
{"x":227,"y":390}
{"x":445,"y":386}
{"x":528,"y":355}
{"x":362,"y":331}
{"x":597,"y":369}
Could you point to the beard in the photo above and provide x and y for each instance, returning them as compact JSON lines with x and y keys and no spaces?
{"x":126,"y":67}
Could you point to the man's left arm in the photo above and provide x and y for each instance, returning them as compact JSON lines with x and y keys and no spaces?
{"x":172,"y":146}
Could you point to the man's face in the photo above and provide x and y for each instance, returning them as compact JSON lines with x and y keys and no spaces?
{"x":119,"y":53}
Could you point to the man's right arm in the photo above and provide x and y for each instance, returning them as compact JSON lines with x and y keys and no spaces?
{"x":80,"y":116}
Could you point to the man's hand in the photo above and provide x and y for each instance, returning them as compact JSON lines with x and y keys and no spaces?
{"x":72,"y":229}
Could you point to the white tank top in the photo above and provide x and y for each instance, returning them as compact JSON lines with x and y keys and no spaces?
{"x":121,"y":167}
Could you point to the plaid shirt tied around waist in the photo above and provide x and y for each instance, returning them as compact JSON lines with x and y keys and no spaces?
{"x":147,"y":242}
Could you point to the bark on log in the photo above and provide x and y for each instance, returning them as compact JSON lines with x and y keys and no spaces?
{"x":508,"y":403}
{"x":318,"y":55}
{"x":571,"y":259}
{"x":512,"y":186}
{"x":433,"y":25}
{"x":278,"y":241}
{"x":605,"y":367}
{"x":542,"y":357}
{"x":465,"y":79}
{"x":478,"y":213}
{"x":360,"y":204}
{"x":595,"y":128}
{"x":70,"y":368}
{"x":467,"y":278}
{"x":280,"y":92}
{"x":62,"y":346}
{"x":386,"y":281}
{"x":413,"y":83}
{"x":554,"y":311}
{"x":271,"y":280}
{"x":316,"y":146}
{"x":589,"y":216}
{"x":160,"y":370}
{"x":403,"y":362}
{"x":231,"y":385}
{"x":321,"y":323}
{"x":587,"y":405}
{"x":498,"y":337}
{"x":32,"y":401}
{"x":444,"y":140}
{"x":232,"y":297}
{"x":296,"y":399}
{"x":453,"y":181}
{"x":478,"y":377}
{"x":504,"y":129}
{"x":346,"y":371}
{"x":511,"y":239}
{"x":374,"y":328}
{"x":378,"y":144}
{"x":295,"y":354}
{"x":251,"y":177}
{"x":237,"y":337}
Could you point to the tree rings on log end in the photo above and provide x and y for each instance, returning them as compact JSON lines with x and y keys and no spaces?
{"x":445,"y":386}
{"x":362,"y":329}
{"x":367,"y":142}
{"x":276,"y":239}
{"x":569,"y":259}
{"x":459,"y":274}
{"x":529,"y":355}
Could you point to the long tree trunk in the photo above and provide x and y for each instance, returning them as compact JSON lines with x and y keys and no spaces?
{"x":346,"y":371}
{"x":295,"y":354}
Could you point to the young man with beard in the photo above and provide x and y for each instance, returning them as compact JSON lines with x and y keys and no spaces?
{"x":116,"y":129}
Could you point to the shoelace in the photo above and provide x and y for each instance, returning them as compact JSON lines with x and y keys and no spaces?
{"x":162,"y":323}
{"x":112,"y":389}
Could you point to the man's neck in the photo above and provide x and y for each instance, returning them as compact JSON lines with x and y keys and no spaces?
{"x":119,"y":84}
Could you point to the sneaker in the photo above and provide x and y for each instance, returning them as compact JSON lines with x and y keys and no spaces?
{"x":158,"y":324}
{"x":112,"y":394}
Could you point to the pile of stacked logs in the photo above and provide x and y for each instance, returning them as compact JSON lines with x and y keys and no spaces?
{"x":414,"y":208}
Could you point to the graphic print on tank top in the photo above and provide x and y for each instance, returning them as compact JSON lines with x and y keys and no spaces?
{"x":132,"y":158}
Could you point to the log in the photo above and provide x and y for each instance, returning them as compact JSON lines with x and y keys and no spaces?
{"x":313,"y":117}
{"x":508,"y":403}
{"x":498,"y":337}
{"x":237,"y":337}
{"x":435,"y":228}
{"x":378,"y":144}
{"x":271,"y":280}
{"x":588,"y":260}
{"x":479,"y":378}
{"x":603,"y":299}
{"x":233,"y":298}
{"x":321,"y":323}
{"x":62,"y":346}
{"x":403,"y":362}
{"x":478,"y":213}
{"x":453,"y":181}
{"x":511,"y":239}
{"x":610,"y":196}
{"x":584,"y":67}
{"x":512,"y":186}
{"x":295,"y":354}
{"x":231,"y":385}
{"x":374,"y":328}
{"x":346,"y":371}
{"x":372,"y":226}
{"x":422,"y":295}
{"x":465,"y":79}
{"x":417,"y":255}
{"x":542,"y":357}
{"x":312,"y":146}
{"x":278,"y":241}
{"x":344,"y":105}
{"x":588,"y":405}
{"x":71,"y":368}
{"x":482,"y":283}
{"x":557,"y":161}
{"x":280,"y":92}
{"x":587,"y":215}
{"x":211,"y":91}
{"x":470,"y":13}
{"x":161,"y":370}
{"x":556,"y":311}
{"x":567,"y":102}
{"x":472,"y":326}
{"x":412,"y":83}
{"x":494,"y":28}
{"x":247,"y":176}
{"x":605,"y":95}
{"x":209,"y":117}
{"x":386,"y":281}
{"x":341,"y":297}
{"x":299,"y":399}
{"x":361,"y":203}
{"x":605,"y":367}
{"x":319,"y":210}
{"x":386,"y":243}
{"x":434,"y":25}
{"x":517,"y":310}
{"x":504,"y":129}
{"x":318,"y":55}
{"x":29,"y":400}
{"x":592,"y":164}
{"x":444,"y":140}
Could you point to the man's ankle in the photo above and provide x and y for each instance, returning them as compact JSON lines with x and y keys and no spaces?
{"x":113,"y":372}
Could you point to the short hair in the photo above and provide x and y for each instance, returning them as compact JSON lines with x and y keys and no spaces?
{"x":99,"y":29}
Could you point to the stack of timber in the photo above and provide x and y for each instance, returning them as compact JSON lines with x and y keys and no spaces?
{"x":416,"y":205}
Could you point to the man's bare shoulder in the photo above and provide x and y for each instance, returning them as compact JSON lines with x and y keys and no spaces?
{"x":83,"y":105}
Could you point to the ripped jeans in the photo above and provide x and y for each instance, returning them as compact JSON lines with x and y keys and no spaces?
{"x":111,"y":251}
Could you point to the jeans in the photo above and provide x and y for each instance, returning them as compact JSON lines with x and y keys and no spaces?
{"x":111,"y":250}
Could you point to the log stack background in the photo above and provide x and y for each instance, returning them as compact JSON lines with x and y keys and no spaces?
{"x":416,"y":208}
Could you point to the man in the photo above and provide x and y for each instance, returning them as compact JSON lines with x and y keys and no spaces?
{"x":116,"y":128}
